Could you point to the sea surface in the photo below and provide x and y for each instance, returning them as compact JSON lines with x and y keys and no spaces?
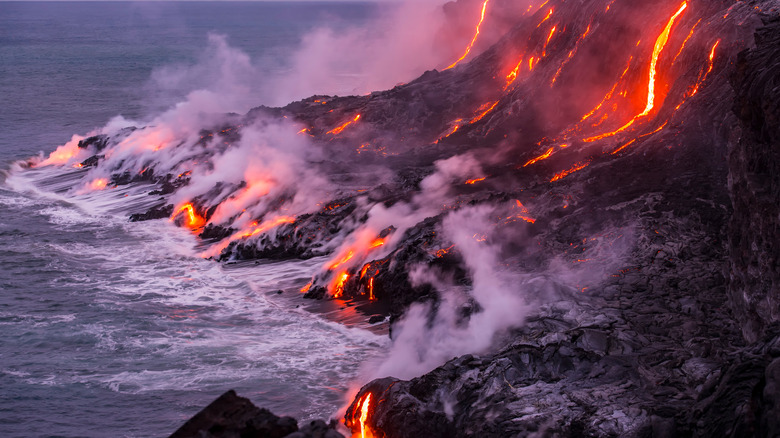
{"x":112,"y":328}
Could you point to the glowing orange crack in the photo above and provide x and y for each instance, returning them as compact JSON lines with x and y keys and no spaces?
{"x":473,"y":40}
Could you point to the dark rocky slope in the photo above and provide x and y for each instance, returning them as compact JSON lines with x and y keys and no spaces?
{"x":655,"y":351}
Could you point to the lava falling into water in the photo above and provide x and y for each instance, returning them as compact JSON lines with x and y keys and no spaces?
{"x":193,"y":219}
{"x":365,"y":432}
{"x":473,"y":40}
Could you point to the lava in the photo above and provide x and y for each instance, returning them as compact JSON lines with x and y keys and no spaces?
{"x":473,"y":40}
{"x":98,"y":184}
{"x":193,"y":219}
{"x":344,"y":259}
{"x":485,"y":109}
{"x":338,"y":129}
{"x":265,"y":226}
{"x":565,"y":173}
{"x":365,"y":432}
{"x":660,"y":43}
{"x":475,"y":180}
{"x":540,"y":157}
{"x":307,"y":287}
{"x":337,"y":284}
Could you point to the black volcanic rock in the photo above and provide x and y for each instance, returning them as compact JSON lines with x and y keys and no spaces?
{"x":754,"y":182}
{"x":231,"y":416}
{"x":157,"y":212}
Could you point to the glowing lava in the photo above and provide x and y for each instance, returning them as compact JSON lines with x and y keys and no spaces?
{"x":338,"y":129}
{"x":473,"y":40}
{"x":337,"y":285}
{"x":660,"y":43}
{"x":365,"y":432}
{"x":194,"y":220}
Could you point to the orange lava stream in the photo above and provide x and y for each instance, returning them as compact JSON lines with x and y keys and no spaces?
{"x":610,"y":93}
{"x":338,"y":129}
{"x":364,"y":417}
{"x":484,"y":112}
{"x":337,"y":285}
{"x":265,"y":226}
{"x":565,"y":173}
{"x":660,"y":43}
{"x":98,"y":184}
{"x":709,"y":70}
{"x":540,"y":157}
{"x":547,"y":17}
{"x":475,"y":180}
{"x":347,"y":257}
{"x":473,"y":40}
{"x":682,"y":46}
{"x":306,"y":288}
{"x":549,"y":37}
{"x":194,"y":220}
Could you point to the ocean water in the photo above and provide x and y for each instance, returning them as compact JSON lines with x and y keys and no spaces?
{"x":112,"y":328}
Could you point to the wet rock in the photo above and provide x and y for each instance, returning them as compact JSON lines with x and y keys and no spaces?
{"x":232,"y":416}
{"x":157,"y":212}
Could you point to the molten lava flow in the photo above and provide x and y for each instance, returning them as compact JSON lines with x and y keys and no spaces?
{"x":265,"y":226}
{"x":549,"y":37}
{"x":660,"y":43}
{"x":194,"y":220}
{"x":338,"y":129}
{"x":547,"y":17}
{"x":473,"y":40}
{"x":510,"y":78}
{"x":376,"y":243}
{"x":307,"y":287}
{"x":523,"y":214}
{"x":98,"y":184}
{"x":485,"y":109}
{"x":337,"y":285}
{"x":371,"y":289}
{"x":610,"y":93}
{"x":365,"y":432}
{"x":540,"y":157}
{"x":685,"y":41}
{"x":565,"y":173}
{"x":474,"y":181}
{"x":344,"y":259}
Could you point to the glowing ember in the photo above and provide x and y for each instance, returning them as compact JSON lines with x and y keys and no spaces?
{"x":338,"y":129}
{"x":193,"y":219}
{"x":473,"y":40}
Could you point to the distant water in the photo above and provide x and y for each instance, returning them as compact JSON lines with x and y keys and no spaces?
{"x":111,"y":328}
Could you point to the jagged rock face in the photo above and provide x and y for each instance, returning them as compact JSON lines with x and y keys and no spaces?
{"x":754,"y":182}
{"x":656,"y":349}
{"x":231,"y":416}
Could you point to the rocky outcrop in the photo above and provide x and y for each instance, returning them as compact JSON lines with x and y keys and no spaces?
{"x":231,"y":416}
{"x":754,"y":183}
